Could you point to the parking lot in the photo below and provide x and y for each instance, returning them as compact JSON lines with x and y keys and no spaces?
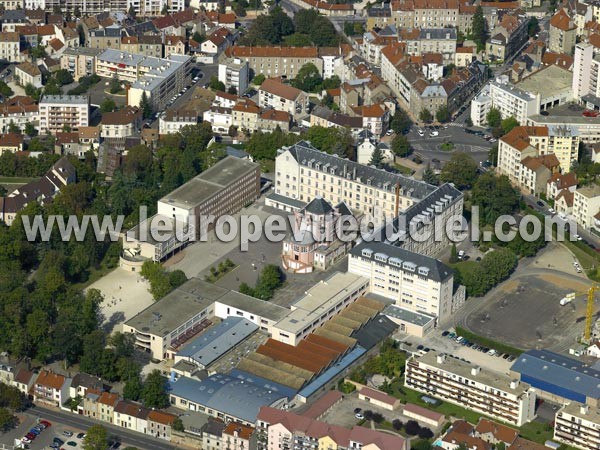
{"x":45,"y":438}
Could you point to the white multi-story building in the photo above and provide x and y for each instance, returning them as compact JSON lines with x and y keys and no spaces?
{"x":302,"y":173}
{"x":586,"y":206}
{"x":63,"y":112}
{"x":586,"y":71}
{"x":283,"y":97}
{"x":173,"y":121}
{"x":219,"y":117}
{"x":233,"y":72}
{"x":415,"y":282}
{"x":10,"y":47}
{"x":18,"y":111}
{"x":578,"y":425}
{"x":468,"y":386}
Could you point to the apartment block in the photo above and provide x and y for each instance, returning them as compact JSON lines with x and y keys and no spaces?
{"x":174,"y":120}
{"x":586,"y":206}
{"x":10,"y":47}
{"x":562,"y":33}
{"x":431,"y":40}
{"x":471,"y":387}
{"x":432,"y":14}
{"x":80,"y":61}
{"x":508,"y":36}
{"x":415,"y":282}
{"x":586,"y":69}
{"x":302,"y":173}
{"x":61,"y":112}
{"x":233,"y":72}
{"x":578,"y":425}
{"x":283,"y":97}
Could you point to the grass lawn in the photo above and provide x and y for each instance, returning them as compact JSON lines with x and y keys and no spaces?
{"x":447,"y":146}
{"x":267,"y":165}
{"x":536,"y":432}
{"x":403,"y":169}
{"x":464,"y":266}
{"x":16,"y":180}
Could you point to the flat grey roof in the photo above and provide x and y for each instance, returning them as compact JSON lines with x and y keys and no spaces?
{"x":119,"y":57}
{"x":198,"y":189}
{"x":404,"y":315}
{"x":218,"y":340}
{"x":565,"y":114}
{"x":254,"y":306}
{"x":547,"y":81}
{"x":73,"y":99}
{"x":176,"y":308}
{"x":88,"y":51}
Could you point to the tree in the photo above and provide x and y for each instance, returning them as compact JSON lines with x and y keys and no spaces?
{"x":505,"y":198}
{"x":400,"y":122}
{"x":308,"y":78}
{"x":232,"y":90}
{"x":425,"y":433}
{"x":5,"y":90}
{"x":258,"y":79}
{"x":377,"y":417}
{"x":397,"y":424}
{"x":154,"y":394}
{"x":215,"y":84}
{"x":430,"y":177}
{"x":493,"y":155}
{"x":199,"y":37}
{"x":420,"y":444}
{"x":131,"y":12}
{"x":376,"y":158}
{"x":31,"y":90}
{"x":494,"y":118}
{"x":412,"y":428}
{"x":453,"y":254}
{"x":298,"y":40}
{"x":461,"y":170}
{"x":133,"y":389}
{"x":478,"y":28}
{"x":108,"y":105}
{"x":468,"y":122}
{"x":146,"y":106}
{"x":30,"y":129}
{"x":508,"y":124}
{"x":96,"y":438}
{"x":115,"y":84}
{"x":401,"y":146}
{"x":177,"y":424}
{"x":442,"y":114}
{"x":13,"y":128}
{"x":63,"y":76}
{"x":533,"y":28}
{"x":500,"y":446}
{"x":8,"y":420}
{"x":425,"y":116}
{"x":38,"y":52}
{"x":165,"y":10}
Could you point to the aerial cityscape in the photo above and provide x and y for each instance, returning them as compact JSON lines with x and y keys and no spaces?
{"x":300,"y":224}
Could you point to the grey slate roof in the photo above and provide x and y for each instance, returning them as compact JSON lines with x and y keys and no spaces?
{"x":304,"y":153}
{"x":218,"y":340}
{"x":438,"y":33}
{"x":560,"y":371}
{"x":232,"y":396}
{"x":318,"y":206}
{"x":405,"y":260}
{"x":374,"y":332}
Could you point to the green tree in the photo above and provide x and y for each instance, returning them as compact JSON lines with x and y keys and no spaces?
{"x":108,"y":105}
{"x":505,"y":198}
{"x":298,"y":40}
{"x":430,"y":177}
{"x":533,"y":28}
{"x":319,"y":28}
{"x":154,"y":393}
{"x":376,"y":158}
{"x":8,"y":420}
{"x":401,"y":122}
{"x":177,"y":424}
{"x":401,"y":146}
{"x":133,"y":389}
{"x":215,"y":84}
{"x":38,"y":52}
{"x":308,"y":78}
{"x":461,"y":170}
{"x":63,"y":76}
{"x":13,"y":128}
{"x":508,"y":124}
{"x":232,"y":90}
{"x":453,"y":254}
{"x":478,"y":28}
{"x":493,"y":155}
{"x":258,"y":79}
{"x":442,"y":114}
{"x":425,"y":116}
{"x":96,"y":438}
{"x":494,"y":118}
{"x":5,"y":90}
{"x":31,"y":90}
{"x":115,"y":84}
{"x":131,"y":12}
{"x":199,"y":37}
{"x":468,"y":122}
{"x":146,"y":106}
{"x":30,"y":129}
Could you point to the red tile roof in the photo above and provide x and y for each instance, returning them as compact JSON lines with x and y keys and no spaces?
{"x":562,"y":21}
{"x":50,"y":379}
{"x":280,"y":89}
{"x":499,"y":431}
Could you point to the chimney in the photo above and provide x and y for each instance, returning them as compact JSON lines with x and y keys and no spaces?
{"x":514,"y":384}
{"x":475,"y":370}
{"x":584,"y":409}
{"x":441,"y":358}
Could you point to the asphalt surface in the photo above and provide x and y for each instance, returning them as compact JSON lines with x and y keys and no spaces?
{"x":77,"y":422}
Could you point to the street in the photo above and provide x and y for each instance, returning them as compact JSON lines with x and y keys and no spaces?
{"x":81,"y":423}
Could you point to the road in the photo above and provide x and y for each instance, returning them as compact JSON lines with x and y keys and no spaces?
{"x":83,"y":423}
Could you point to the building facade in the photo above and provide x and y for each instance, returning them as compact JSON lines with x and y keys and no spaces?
{"x":63,"y":112}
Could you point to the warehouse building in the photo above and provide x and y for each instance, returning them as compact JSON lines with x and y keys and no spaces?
{"x":559,"y":378}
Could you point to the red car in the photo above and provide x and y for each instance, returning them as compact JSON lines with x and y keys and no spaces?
{"x":45,"y":422}
{"x":30,"y":436}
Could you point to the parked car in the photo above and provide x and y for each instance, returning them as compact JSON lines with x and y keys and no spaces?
{"x":68,"y":433}
{"x":359,"y":416}
{"x":80,"y":435}
{"x":357,"y":410}
{"x":46,"y":423}
{"x":26,"y":440}
{"x":445,"y":333}
{"x":421,"y":132}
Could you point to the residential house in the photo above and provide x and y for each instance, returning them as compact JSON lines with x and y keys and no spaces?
{"x":174,"y":45}
{"x":375,"y":118}
{"x":559,"y":182}
{"x":131,"y":415}
{"x":11,"y":142}
{"x":120,"y":124}
{"x":234,"y":73}
{"x":160,"y":424}
{"x":536,"y":171}
{"x":216,"y":42}
{"x":28,"y":73}
{"x":245,"y":115}
{"x":18,"y":111}
{"x":174,"y":120}
{"x":51,"y":388}
{"x":219,"y":117}
{"x":495,"y":433}
{"x":106,"y":406}
{"x":283,"y":97}
{"x":562,"y":33}
{"x":508,"y":37}
{"x":24,"y":380}
{"x":149,"y":45}
{"x":563,"y":203}
{"x":272,"y":119}
{"x":82,"y":382}
{"x":10,"y":47}
{"x":464,"y":56}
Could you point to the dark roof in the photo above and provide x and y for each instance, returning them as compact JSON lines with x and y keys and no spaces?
{"x":303,"y":152}
{"x":374,"y":331}
{"x":88,"y":381}
{"x":414,"y":262}
{"x":559,"y":374}
{"x":213,"y":427}
{"x":318,"y":206}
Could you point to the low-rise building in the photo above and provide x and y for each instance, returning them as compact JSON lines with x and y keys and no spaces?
{"x":11,"y":142}
{"x":378,"y":398}
{"x":28,"y":73}
{"x":217,"y":435}
{"x":10,"y":47}
{"x":271,"y":119}
{"x":131,"y":415}
{"x":172,"y":121}
{"x":431,"y":40}
{"x":51,"y":388}
{"x":160,"y":424}
{"x":471,"y":387}
{"x":423,"y":415}
{"x":221,"y":118}
{"x":18,"y":111}
{"x":24,"y":380}
{"x":120,"y":124}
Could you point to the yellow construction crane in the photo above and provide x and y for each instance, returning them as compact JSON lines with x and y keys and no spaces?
{"x":589,"y":310}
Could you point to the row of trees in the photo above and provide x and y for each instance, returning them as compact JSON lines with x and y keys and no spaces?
{"x":308,"y":28}
{"x":500,"y":126}
{"x":495,"y":266}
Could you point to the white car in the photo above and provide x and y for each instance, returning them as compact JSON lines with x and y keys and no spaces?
{"x":421,"y":133}
{"x":434,"y":133}
{"x":576,"y":236}
{"x":359,"y":416}
{"x":25,"y":440}
{"x":492,"y":352}
{"x":551,"y":210}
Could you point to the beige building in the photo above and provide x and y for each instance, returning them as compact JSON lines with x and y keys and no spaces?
{"x":62,"y":112}
{"x":469,"y":386}
{"x":244,"y":115}
{"x":562,"y":33}
{"x":120,"y":124}
{"x":283,"y":97}
{"x":578,"y":425}
{"x":433,"y":14}
{"x":586,"y":205}
{"x":10,"y":47}
{"x":80,"y":61}
{"x":303,"y":173}
{"x":174,"y":45}
{"x":535,"y":172}
{"x":28,"y":73}
{"x":11,"y":142}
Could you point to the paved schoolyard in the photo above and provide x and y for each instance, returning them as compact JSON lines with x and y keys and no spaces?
{"x":125,"y":295}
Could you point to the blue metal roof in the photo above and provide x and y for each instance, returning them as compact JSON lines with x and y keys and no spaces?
{"x":332,"y":372}
{"x":561,"y":375}
{"x":235,"y":397}
{"x":218,"y":340}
